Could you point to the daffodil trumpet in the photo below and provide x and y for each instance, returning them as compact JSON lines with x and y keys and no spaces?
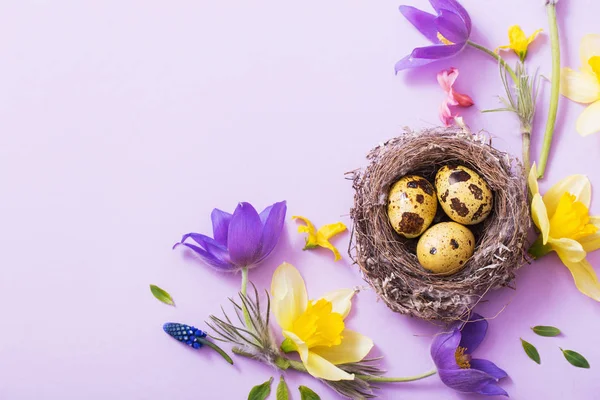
{"x":562,"y":216}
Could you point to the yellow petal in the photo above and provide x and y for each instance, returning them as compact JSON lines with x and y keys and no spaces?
{"x":589,"y":47}
{"x":319,"y":367}
{"x":341,"y":301}
{"x":532,"y":180}
{"x":354,"y":347}
{"x":589,"y":120}
{"x":582,"y":87}
{"x":592,"y":242}
{"x":330,"y":230}
{"x":585,"y":278}
{"x":325,"y":244}
{"x":504,"y":48}
{"x":568,"y":250}
{"x":540,"y":216}
{"x":533,"y":36}
{"x":577,"y":185}
{"x":301,"y":347}
{"x":288,"y":295}
{"x":311,"y":239}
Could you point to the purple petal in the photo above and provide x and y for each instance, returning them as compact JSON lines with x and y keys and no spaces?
{"x":264,"y":214}
{"x":272,"y":228}
{"x":473,"y":332}
{"x":466,"y":380}
{"x":425,"y":55}
{"x":209,"y":258}
{"x":452,"y":27}
{"x":443,"y":349}
{"x":245,"y":231}
{"x":488,"y":367}
{"x":492,"y":389}
{"x":211,"y":246}
{"x":220,"y":221}
{"x":410,"y":62}
{"x":421,"y":20}
{"x":455,"y":7}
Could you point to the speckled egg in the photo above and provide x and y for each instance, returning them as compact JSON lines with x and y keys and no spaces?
{"x":412,"y":204}
{"x":445,"y":248}
{"x":464,"y":196}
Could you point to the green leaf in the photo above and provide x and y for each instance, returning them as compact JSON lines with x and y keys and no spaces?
{"x":261,"y":392}
{"x":548,"y":331}
{"x":575,"y":358}
{"x":162,"y":295}
{"x":282,"y":390}
{"x":307,"y":394}
{"x":531,"y":351}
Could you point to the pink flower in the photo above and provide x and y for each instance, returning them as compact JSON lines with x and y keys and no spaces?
{"x":446,"y":79}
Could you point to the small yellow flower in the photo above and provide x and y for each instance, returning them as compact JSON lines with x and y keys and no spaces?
{"x":321,"y":237}
{"x":583,"y":86}
{"x":315,"y":328}
{"x":518,"y":41}
{"x":562,"y":216}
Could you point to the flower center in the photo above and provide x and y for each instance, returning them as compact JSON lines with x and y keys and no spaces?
{"x":571,"y":219}
{"x":319,"y":326}
{"x":443,"y":40}
{"x":594,"y":62}
{"x":463,"y":360}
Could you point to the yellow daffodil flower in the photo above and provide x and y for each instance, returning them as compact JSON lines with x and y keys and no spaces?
{"x":518,"y":41}
{"x":562,"y":216}
{"x":583,"y":86}
{"x":315,"y":328}
{"x":321,"y":237}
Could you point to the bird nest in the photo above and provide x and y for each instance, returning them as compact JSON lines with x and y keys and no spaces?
{"x":388,"y":260}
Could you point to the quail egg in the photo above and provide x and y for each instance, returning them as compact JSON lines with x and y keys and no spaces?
{"x":464,"y":196}
{"x":412,"y":204}
{"x":445,"y":248}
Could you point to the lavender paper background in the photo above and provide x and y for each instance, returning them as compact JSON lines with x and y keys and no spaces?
{"x":125,"y":122}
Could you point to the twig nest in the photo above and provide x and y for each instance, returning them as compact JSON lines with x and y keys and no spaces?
{"x":389,"y":260}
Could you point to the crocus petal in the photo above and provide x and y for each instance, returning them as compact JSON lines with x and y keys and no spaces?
{"x":320,"y":368}
{"x":341,"y":301}
{"x":213,"y":247}
{"x":466,"y":380}
{"x":577,"y":185}
{"x":488,"y":367}
{"x":443,"y":349}
{"x":455,"y":7}
{"x":272,"y":228}
{"x":532,"y":180}
{"x":568,"y":249}
{"x":539,"y":214}
{"x":244,"y":235}
{"x":492,"y":389}
{"x":589,"y":120}
{"x":592,"y":242}
{"x":425,"y":55}
{"x":582,"y":87}
{"x":585,"y":278}
{"x":421,"y":20}
{"x":209,"y":258}
{"x":452,"y":27}
{"x":220,"y":222}
{"x":354,"y":348}
{"x":288,"y":295}
{"x":589,"y":47}
{"x":473,"y":332}
{"x":410,"y":62}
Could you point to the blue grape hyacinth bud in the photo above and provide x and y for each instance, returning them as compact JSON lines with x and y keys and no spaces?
{"x":185,"y":333}
{"x":193,"y":337}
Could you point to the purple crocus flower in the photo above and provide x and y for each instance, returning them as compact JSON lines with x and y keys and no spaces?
{"x":451,"y":352}
{"x":240,"y":240}
{"x":449,"y":32}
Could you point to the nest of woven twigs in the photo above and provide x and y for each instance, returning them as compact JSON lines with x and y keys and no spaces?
{"x":388,"y":260}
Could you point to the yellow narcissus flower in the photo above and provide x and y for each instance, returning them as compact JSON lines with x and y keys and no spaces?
{"x":562,"y":216}
{"x":519,"y":42}
{"x":315,"y":328}
{"x":321,"y":237}
{"x":583,"y":86}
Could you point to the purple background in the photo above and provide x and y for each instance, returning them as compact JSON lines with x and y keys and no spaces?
{"x":125,"y":122}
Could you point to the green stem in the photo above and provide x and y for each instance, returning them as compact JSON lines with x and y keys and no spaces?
{"x":504,"y":64}
{"x":539,"y":249}
{"x":217,"y":349}
{"x":244,"y":289}
{"x":385,"y":379}
{"x":526,"y":135}
{"x":555,"y":88}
